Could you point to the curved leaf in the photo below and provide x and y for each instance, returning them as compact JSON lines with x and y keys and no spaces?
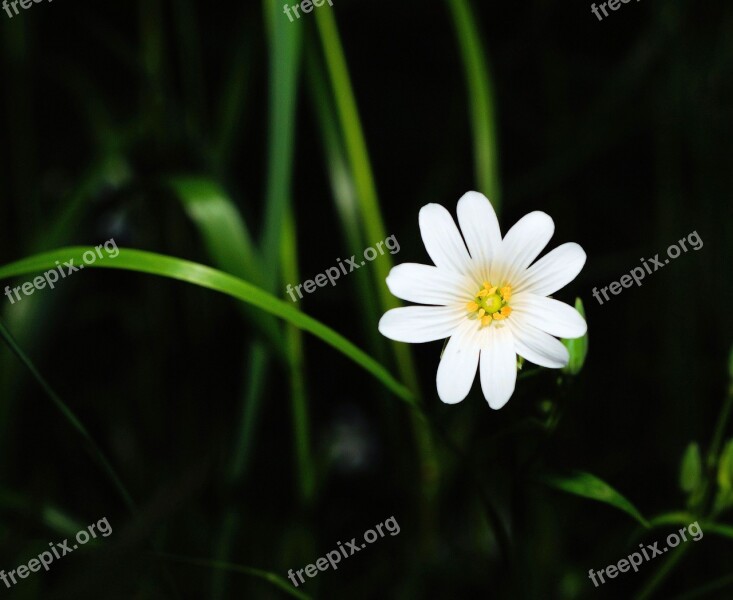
{"x":201,"y":275}
{"x":589,"y":486}
{"x":274,"y":579}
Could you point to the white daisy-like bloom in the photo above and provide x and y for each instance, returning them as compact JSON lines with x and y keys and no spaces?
{"x":487,"y":297}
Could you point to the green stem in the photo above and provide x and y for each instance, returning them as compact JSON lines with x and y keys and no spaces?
{"x":294,"y":350}
{"x":481,"y":97}
{"x":720,"y":429}
{"x":361,"y":171}
{"x":712,"y":461}
{"x":272,"y":578}
{"x":661,"y":575}
{"x":91,"y":445}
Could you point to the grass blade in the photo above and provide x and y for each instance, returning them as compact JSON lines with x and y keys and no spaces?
{"x":481,"y":98}
{"x":343,"y":192}
{"x":373,"y":225}
{"x":285,"y":44}
{"x":69,"y":415}
{"x":294,"y":349}
{"x":272,"y":578}
{"x":206,"y":277}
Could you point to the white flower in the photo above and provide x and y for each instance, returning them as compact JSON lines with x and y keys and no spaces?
{"x":491,"y":303}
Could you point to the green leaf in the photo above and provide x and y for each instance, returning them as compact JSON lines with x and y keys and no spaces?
{"x":206,"y":277}
{"x":578,"y":347}
{"x":481,"y":100}
{"x":720,"y":529}
{"x":678,"y":517}
{"x":90,"y":445}
{"x":224,"y":233}
{"x":227,"y":241}
{"x":725,"y":467}
{"x":686,"y":518}
{"x":691,"y":469}
{"x":589,"y":486}
{"x":285,"y":42}
{"x":272,"y":578}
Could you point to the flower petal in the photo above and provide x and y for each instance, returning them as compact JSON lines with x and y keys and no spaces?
{"x":442,"y":239}
{"x":426,"y":284}
{"x":521,"y":245}
{"x":549,"y":315}
{"x":553,"y":271}
{"x":418,"y":324}
{"x":480,"y":227}
{"x":498,"y":366}
{"x":457,"y":368}
{"x":537,"y":346}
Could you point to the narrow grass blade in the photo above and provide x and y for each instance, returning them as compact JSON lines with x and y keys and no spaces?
{"x":191,"y":67}
{"x":224,"y":232}
{"x":355,"y":144}
{"x":245,"y":437}
{"x":361,"y":171}
{"x":206,"y":277}
{"x":285,"y":45}
{"x":69,"y":415}
{"x":233,"y":103}
{"x":374,"y":230}
{"x":227,"y":240}
{"x":272,"y":578}
{"x":294,"y":349}
{"x":343,"y":192}
{"x":589,"y":486}
{"x":481,"y":98}
{"x":50,"y":516}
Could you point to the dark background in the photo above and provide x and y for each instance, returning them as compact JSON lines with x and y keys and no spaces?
{"x":621,"y":130}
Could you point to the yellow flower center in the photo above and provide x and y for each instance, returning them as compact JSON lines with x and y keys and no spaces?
{"x":490,"y":304}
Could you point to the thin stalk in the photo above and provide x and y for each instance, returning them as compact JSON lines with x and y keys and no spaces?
{"x":294,"y":351}
{"x":712,"y":461}
{"x":481,"y":100}
{"x":661,"y":575}
{"x":720,"y":426}
{"x":361,"y":171}
{"x":69,"y":415}
{"x":272,"y":578}
{"x":284,"y":47}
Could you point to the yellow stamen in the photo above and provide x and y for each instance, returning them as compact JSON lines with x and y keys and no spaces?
{"x":489,"y":305}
